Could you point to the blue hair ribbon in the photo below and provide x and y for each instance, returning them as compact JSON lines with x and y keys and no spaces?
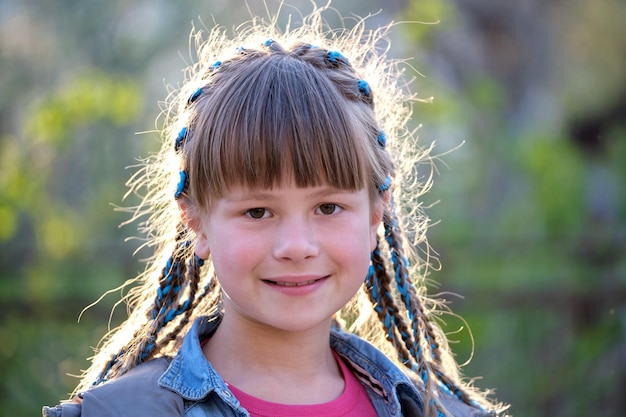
{"x":194,"y":96}
{"x":335,"y":57}
{"x":182,"y":135}
{"x":182,"y":185}
{"x":385,"y":185}
{"x":364,"y":88}
{"x":382,"y":139}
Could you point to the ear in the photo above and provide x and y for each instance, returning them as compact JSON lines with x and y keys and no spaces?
{"x":378,"y":209}
{"x":189,"y":216}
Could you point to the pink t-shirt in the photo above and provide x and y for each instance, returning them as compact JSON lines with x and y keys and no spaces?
{"x":353,"y":402}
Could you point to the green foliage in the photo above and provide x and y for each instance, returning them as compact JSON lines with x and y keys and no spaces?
{"x":57,"y":231}
{"x":87,"y":99}
{"x":41,"y":353}
{"x":532,"y":229}
{"x":556,"y":180}
{"x":427,"y":13}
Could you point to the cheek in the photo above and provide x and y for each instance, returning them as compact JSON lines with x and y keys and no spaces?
{"x":229,"y":268}
{"x":227,"y":256}
{"x":357,"y":266}
{"x":356,"y":248}
{"x":234,"y":257}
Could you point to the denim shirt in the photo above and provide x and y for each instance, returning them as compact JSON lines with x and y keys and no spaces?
{"x":189,"y":386}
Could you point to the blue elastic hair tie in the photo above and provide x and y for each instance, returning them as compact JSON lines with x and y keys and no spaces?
{"x":268,"y":42}
{"x":194,"y":96}
{"x":180,"y":139}
{"x":182,"y":185}
{"x":385,"y":185}
{"x":382,"y":139}
{"x":334,"y":57}
{"x":216,"y":64}
{"x":364,"y":88}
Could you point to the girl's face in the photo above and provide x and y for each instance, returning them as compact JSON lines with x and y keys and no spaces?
{"x":290,"y":257}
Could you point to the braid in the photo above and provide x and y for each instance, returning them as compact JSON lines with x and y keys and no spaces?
{"x":400,"y":266}
{"x":167,"y":307}
{"x":400,"y":272}
{"x":177,"y":277}
{"x":178,"y":274}
{"x":377,"y":286}
{"x":193,"y":274}
{"x":430,"y":369}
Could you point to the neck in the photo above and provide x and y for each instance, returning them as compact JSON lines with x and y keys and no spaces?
{"x":273,"y":364}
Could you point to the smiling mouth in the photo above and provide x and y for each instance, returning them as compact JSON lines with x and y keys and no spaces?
{"x":293,"y":284}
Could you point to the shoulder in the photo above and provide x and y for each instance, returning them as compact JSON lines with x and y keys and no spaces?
{"x":382,"y":375}
{"x":134,"y":393}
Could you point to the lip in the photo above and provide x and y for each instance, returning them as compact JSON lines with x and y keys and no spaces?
{"x":300,"y":285}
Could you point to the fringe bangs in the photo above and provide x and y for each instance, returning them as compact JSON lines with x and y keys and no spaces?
{"x":273,"y":122}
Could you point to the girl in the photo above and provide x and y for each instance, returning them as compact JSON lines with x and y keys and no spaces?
{"x":281,"y":273}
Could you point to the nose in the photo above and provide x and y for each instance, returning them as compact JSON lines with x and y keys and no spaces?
{"x":296,"y":239}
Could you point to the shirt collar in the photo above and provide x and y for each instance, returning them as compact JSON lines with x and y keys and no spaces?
{"x":372,"y":367}
{"x":193,"y":378}
{"x":190,"y":374}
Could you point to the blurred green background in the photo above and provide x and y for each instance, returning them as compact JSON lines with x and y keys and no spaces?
{"x":529,"y":213}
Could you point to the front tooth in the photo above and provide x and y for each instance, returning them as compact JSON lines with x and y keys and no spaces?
{"x":295,"y":284}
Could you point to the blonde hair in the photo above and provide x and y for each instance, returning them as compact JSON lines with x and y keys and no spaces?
{"x":307,"y":103}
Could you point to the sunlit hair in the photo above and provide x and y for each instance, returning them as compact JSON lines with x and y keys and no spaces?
{"x":273,"y":114}
{"x":308,"y":104}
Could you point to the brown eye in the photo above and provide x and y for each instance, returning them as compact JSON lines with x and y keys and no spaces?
{"x":328,"y":208}
{"x":256,"y":213}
